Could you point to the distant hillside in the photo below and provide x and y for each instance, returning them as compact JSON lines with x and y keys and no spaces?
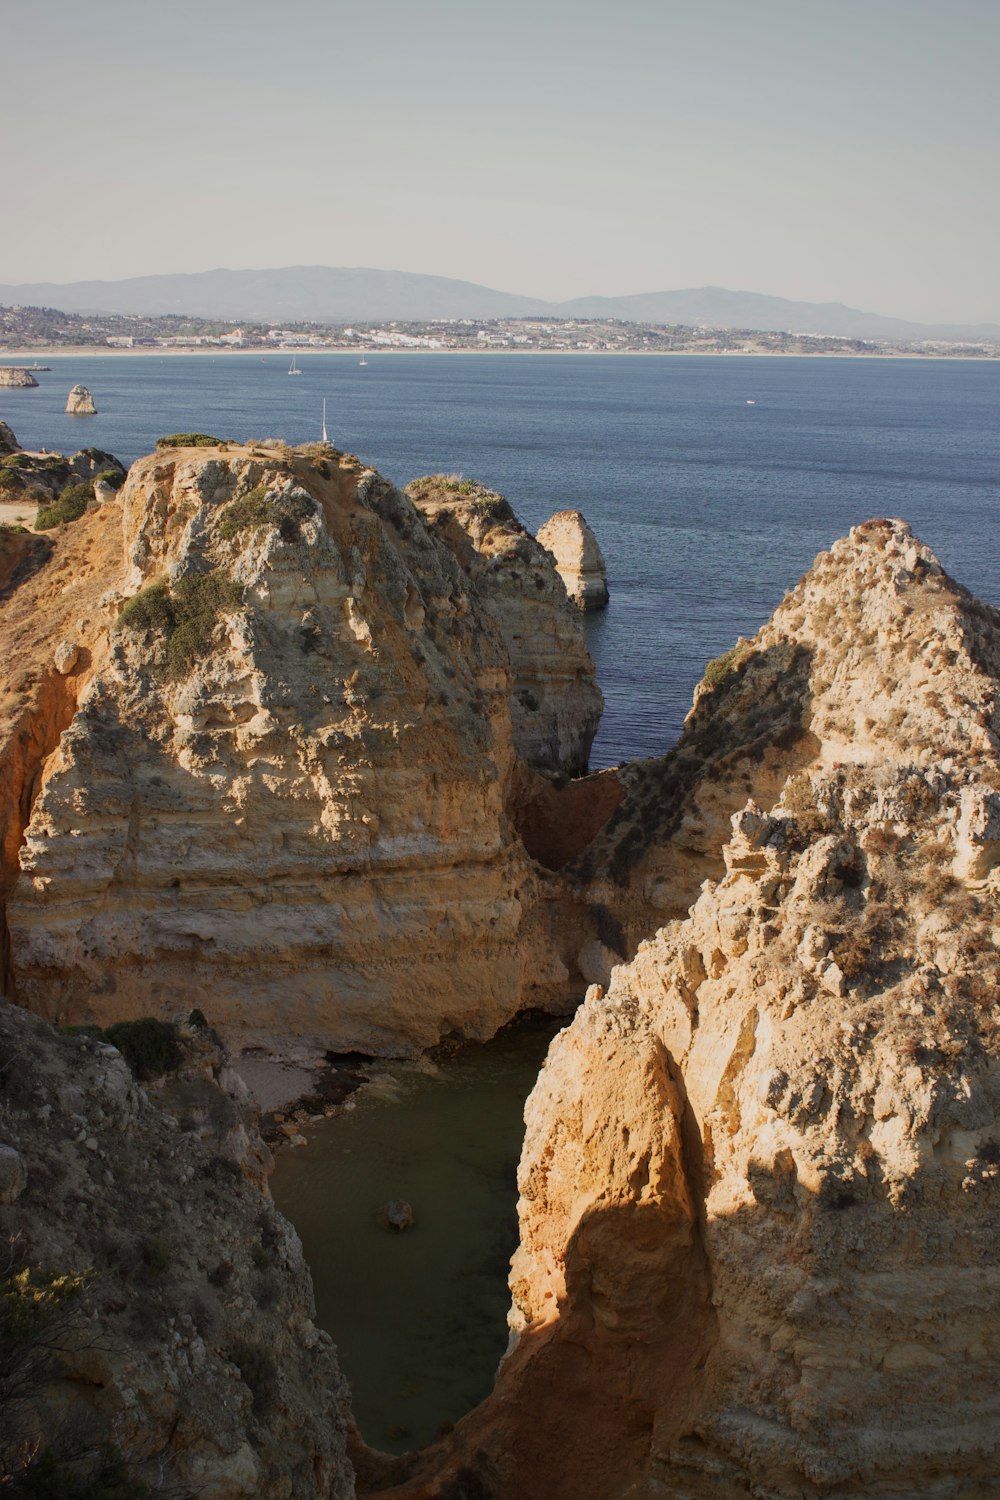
{"x":717,"y":307}
{"x":319,"y":294}
{"x":326,"y":294}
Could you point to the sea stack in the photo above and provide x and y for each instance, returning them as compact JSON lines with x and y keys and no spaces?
{"x":579,"y":561}
{"x":16,"y":379}
{"x":80,"y":403}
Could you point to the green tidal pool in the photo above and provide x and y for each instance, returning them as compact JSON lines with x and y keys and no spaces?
{"x":419,"y":1316}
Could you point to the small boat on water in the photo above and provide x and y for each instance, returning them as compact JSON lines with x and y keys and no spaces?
{"x":293,"y":368}
{"x":362,"y":360}
{"x":324,"y":437}
{"x":750,"y":402}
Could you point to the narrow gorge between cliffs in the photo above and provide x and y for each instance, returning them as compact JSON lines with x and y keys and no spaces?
{"x":419,"y":1317}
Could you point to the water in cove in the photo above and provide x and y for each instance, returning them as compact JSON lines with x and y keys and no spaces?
{"x":419,"y":1317}
{"x":707,"y":508}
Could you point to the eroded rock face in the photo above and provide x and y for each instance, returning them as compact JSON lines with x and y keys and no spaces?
{"x":282,"y":796}
{"x":44,"y":476}
{"x":760,"y":1174}
{"x":15,"y":378}
{"x":8,"y":442}
{"x":188,"y":1343}
{"x":579,"y":560}
{"x":80,"y":403}
{"x":556,"y":703}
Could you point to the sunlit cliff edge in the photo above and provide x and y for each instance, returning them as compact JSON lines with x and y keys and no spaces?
{"x":283,"y":773}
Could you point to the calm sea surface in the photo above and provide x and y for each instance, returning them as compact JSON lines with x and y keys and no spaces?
{"x":707,"y":508}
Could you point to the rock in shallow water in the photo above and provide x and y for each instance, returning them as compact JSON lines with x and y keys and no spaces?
{"x":395,"y":1216}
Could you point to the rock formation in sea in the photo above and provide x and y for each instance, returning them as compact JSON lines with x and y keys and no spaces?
{"x":579,"y":559}
{"x":80,"y":403}
{"x":14,"y":378}
{"x":8,"y":442}
{"x":275,"y":779}
{"x":759,"y":1183}
{"x":556,"y":701}
{"x":157,"y":1313}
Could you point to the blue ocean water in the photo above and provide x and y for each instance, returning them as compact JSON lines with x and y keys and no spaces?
{"x":708,"y":508}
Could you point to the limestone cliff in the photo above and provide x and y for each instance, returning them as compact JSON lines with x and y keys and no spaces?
{"x":759,"y":1183}
{"x":282,"y":792}
{"x":556,"y":701}
{"x":151,"y":1297}
{"x":579,"y":560}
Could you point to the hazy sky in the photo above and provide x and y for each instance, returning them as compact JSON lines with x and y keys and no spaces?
{"x":841,"y":150}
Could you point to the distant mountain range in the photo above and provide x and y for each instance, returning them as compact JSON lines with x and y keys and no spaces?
{"x":327,"y":294}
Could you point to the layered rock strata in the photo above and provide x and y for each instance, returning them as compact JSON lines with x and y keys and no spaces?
{"x":556,"y":703}
{"x":14,"y":378}
{"x":155,"y":1303}
{"x":579,"y":559}
{"x":760,"y":1175}
{"x":282,"y":796}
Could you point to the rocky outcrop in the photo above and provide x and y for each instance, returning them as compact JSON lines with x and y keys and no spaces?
{"x":40,"y":477}
{"x":579,"y":560}
{"x":80,"y":403}
{"x":13,"y":378}
{"x":760,"y":1174}
{"x":158,"y":1314}
{"x":282,"y":793}
{"x":556,"y":701}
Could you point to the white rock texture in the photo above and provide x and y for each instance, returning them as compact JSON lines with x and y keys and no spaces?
{"x":80,"y":403}
{"x":579,"y":560}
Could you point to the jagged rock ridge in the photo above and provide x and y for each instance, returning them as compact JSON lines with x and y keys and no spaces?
{"x":758,"y":1189}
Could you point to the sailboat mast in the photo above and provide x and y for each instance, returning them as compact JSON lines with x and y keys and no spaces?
{"x":324,"y":438}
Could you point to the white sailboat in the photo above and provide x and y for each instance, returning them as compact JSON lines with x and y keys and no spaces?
{"x":293,"y":368}
{"x":362,"y":360}
{"x":324,"y":437}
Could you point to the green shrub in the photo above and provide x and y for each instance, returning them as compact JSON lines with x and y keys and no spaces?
{"x":491,"y":507}
{"x":150,"y":1047}
{"x":50,"y":1476}
{"x":185,"y":616}
{"x":191,"y":440}
{"x":31,"y":1300}
{"x":198,"y":601}
{"x":723,"y":667}
{"x":113,"y":477}
{"x":149,"y":609}
{"x":70,"y":506}
{"x":254,"y":511}
{"x":156,"y":1254}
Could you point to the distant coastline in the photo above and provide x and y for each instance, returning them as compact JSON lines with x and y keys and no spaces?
{"x":96,"y":351}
